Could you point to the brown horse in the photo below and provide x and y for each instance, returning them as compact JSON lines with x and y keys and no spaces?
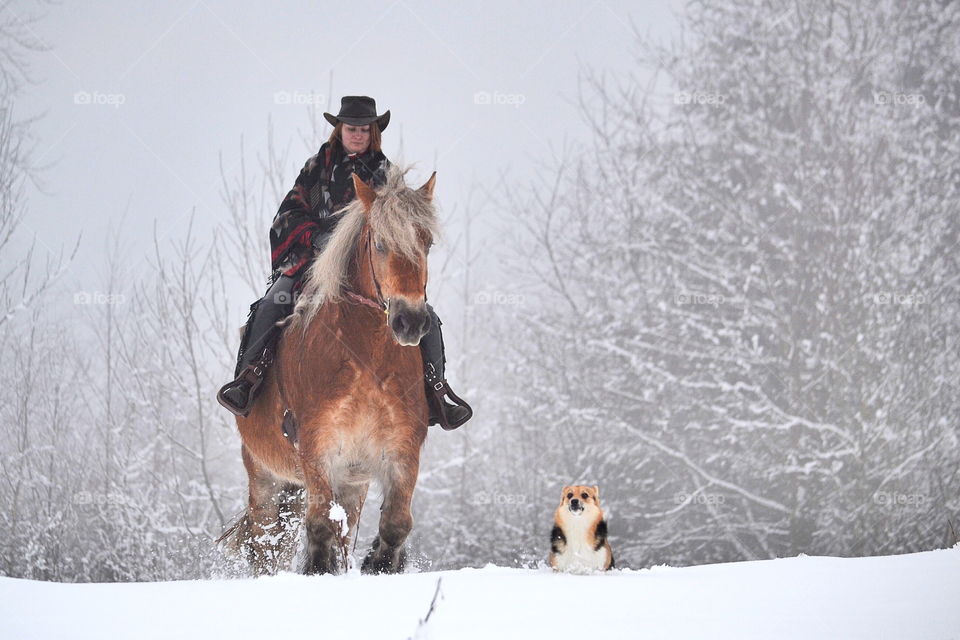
{"x":347,"y":390}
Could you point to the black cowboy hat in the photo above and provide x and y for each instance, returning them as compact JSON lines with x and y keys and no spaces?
{"x":358,"y":110}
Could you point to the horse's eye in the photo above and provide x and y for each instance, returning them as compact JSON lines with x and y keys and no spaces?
{"x":584,"y":496}
{"x":379,"y":246}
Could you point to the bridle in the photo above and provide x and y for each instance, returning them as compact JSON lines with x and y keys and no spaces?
{"x":378,"y":304}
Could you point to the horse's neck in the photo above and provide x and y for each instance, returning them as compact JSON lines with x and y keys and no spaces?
{"x":367,"y":325}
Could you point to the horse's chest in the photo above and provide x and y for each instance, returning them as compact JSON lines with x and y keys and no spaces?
{"x":376,"y":405}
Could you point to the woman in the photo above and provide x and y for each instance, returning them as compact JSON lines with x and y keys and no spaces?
{"x":305,"y":220}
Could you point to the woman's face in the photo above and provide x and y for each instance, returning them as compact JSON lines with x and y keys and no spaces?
{"x":356,"y":138}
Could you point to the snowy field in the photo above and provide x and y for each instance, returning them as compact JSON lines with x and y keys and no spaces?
{"x":908,"y":596}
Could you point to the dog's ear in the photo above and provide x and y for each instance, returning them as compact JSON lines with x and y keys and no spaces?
{"x":596,"y":492}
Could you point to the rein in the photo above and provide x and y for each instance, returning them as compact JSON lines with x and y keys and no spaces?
{"x":289,"y":427}
{"x":379,"y":303}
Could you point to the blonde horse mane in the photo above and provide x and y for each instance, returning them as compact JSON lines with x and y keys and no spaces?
{"x":398,"y":216}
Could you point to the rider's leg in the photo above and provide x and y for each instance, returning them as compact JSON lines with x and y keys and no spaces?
{"x":261,"y":330}
{"x":449,"y":416}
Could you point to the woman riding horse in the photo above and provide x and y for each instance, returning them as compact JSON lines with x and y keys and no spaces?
{"x":301,"y":228}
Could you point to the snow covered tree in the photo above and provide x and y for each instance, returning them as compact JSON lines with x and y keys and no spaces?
{"x":750,"y":333}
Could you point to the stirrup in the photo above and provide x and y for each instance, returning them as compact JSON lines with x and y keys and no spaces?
{"x":439,"y":389}
{"x":253,"y":375}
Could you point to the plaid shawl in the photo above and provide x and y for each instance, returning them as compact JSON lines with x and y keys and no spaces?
{"x":323,"y":188}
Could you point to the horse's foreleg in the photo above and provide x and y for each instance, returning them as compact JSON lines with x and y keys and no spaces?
{"x":261,"y":535}
{"x":396,"y":521}
{"x":290,"y":511}
{"x":323,"y":539}
{"x":351,"y":497}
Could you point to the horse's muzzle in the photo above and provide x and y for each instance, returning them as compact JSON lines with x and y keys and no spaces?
{"x":409,"y":323}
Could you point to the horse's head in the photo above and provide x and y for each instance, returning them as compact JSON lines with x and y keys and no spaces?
{"x":398,"y":230}
{"x":378,"y":255}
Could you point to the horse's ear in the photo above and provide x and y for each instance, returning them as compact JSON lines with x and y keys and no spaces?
{"x":427,"y":188}
{"x":365,"y":194}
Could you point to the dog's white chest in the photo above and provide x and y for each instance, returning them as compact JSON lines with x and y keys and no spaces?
{"x":579,"y":554}
{"x":582,"y":557}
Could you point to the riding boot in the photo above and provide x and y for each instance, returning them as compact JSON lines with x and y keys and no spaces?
{"x":256,"y":346}
{"x":449,"y":416}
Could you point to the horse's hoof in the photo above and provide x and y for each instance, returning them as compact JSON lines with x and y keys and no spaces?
{"x":384,"y":562}
{"x":319,"y":563}
{"x":319,"y":569}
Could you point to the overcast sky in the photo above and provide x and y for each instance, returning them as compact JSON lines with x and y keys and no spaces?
{"x":138,"y":99}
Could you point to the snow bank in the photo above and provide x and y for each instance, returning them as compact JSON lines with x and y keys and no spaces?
{"x":908,"y":596}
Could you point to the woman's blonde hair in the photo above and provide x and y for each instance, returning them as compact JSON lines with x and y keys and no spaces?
{"x":336,"y":137}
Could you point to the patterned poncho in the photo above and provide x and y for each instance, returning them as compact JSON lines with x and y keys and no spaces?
{"x":323,"y":187}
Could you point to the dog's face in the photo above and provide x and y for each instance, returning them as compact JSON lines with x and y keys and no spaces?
{"x":581,"y":499}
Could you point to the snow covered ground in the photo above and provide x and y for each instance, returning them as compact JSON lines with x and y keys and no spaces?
{"x":908,"y":596}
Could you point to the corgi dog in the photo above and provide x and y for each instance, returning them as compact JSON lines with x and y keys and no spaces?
{"x":578,"y":542}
